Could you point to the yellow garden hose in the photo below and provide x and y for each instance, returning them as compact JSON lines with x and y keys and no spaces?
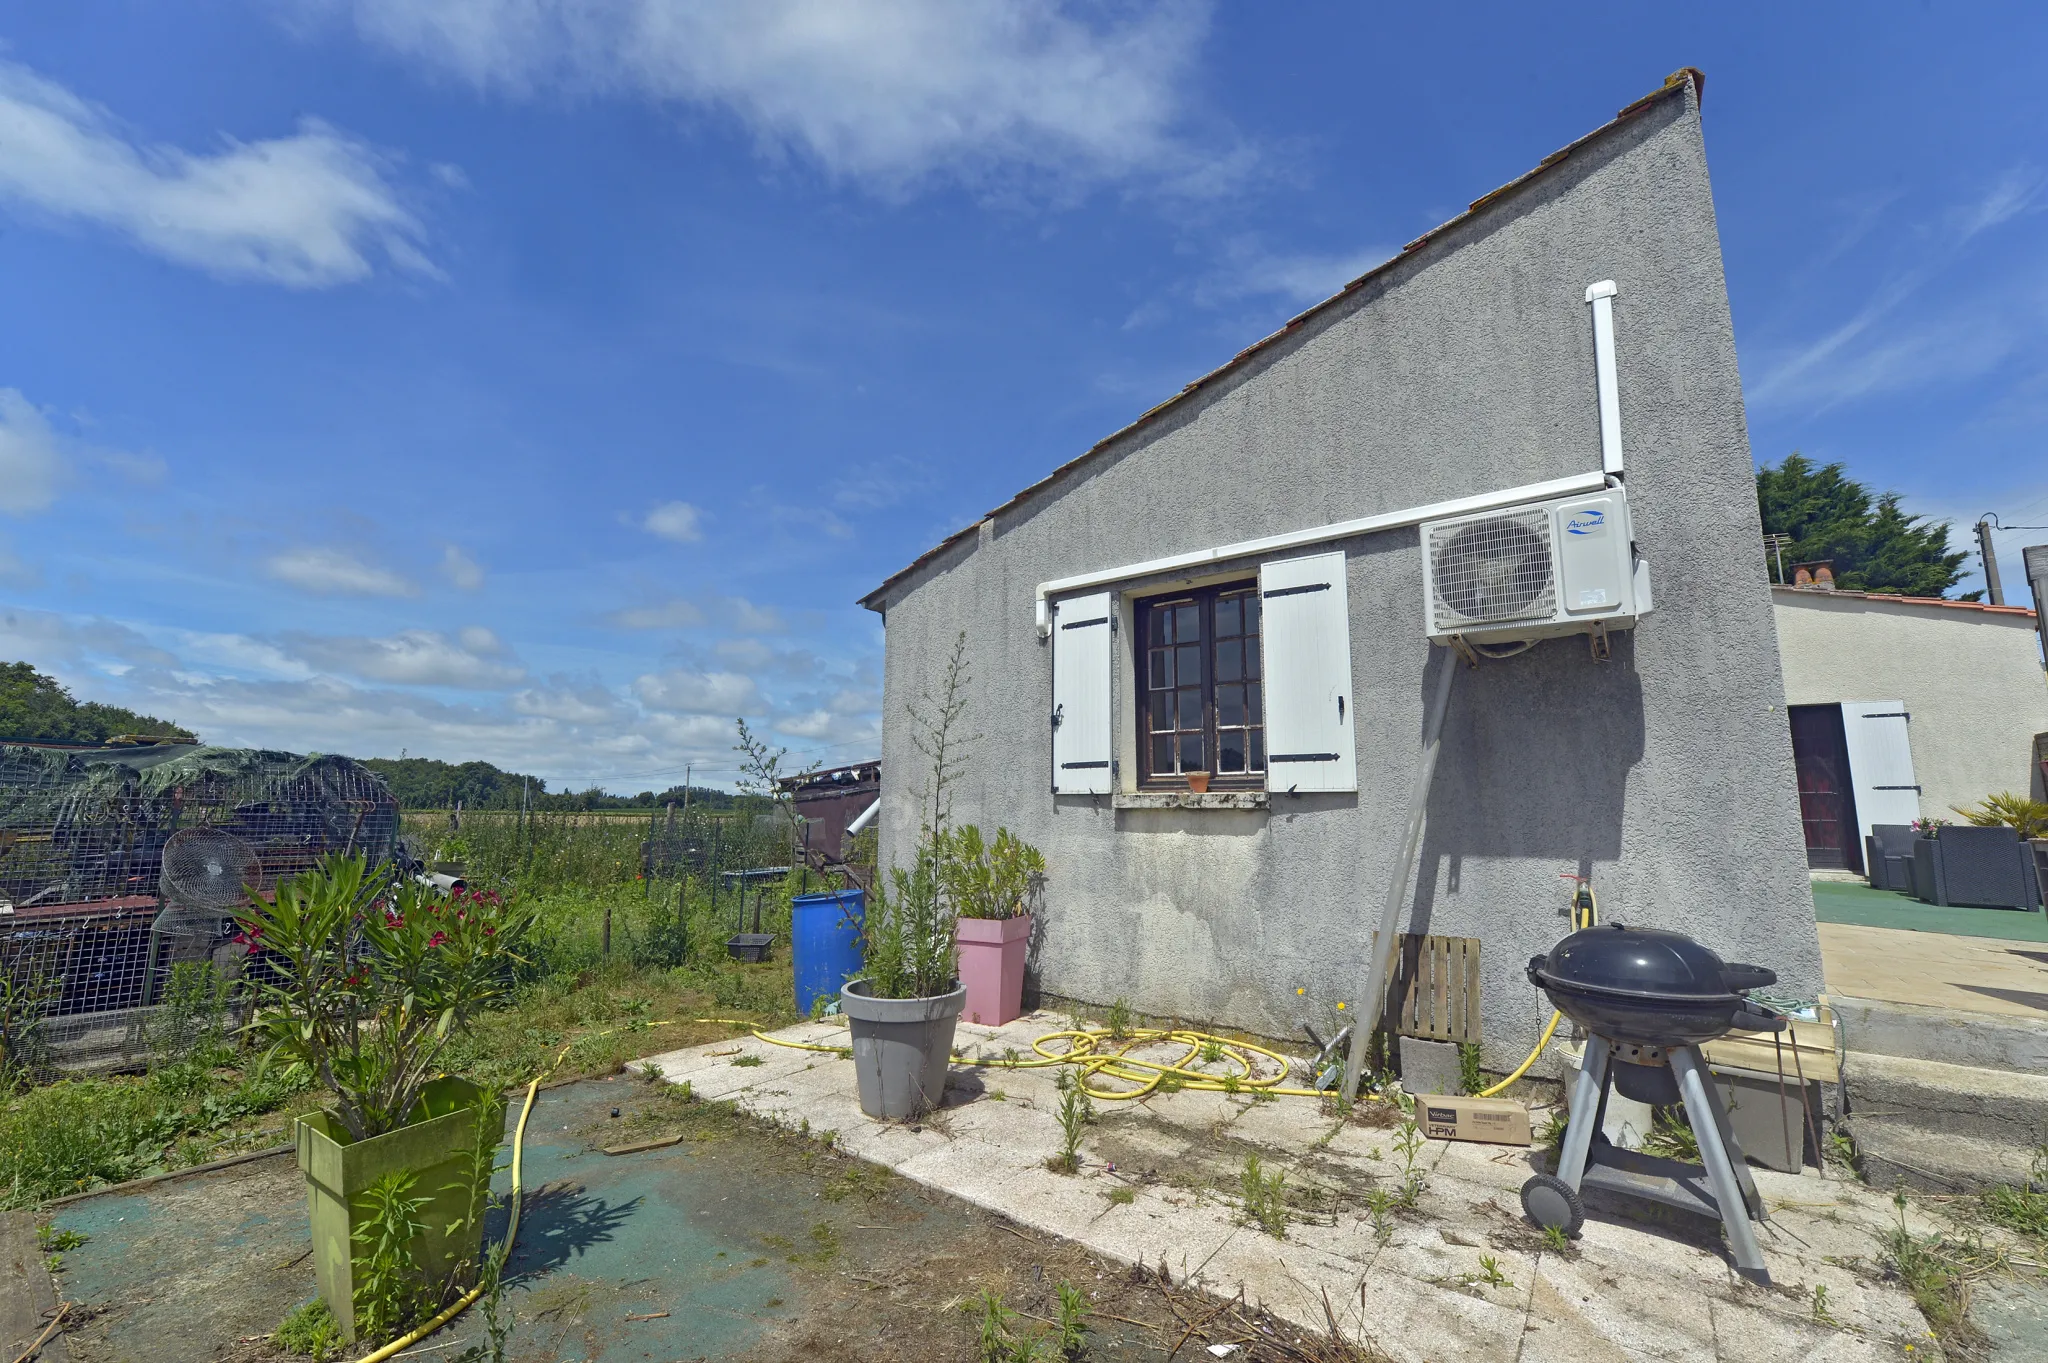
{"x":1582,"y":899}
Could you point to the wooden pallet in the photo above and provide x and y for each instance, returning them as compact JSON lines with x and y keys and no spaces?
{"x":1435,"y":994}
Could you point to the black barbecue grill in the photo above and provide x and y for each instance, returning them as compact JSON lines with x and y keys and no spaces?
{"x":1648,"y":998}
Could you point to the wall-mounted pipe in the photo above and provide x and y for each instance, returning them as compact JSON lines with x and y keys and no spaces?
{"x":1601,"y":296}
{"x":1296,"y":539}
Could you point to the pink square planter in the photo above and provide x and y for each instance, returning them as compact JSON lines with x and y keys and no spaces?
{"x":992,"y":966}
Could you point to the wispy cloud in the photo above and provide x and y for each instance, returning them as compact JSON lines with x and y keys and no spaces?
{"x":29,"y":463}
{"x":1901,"y":337}
{"x":335,"y":572}
{"x":413,"y":657}
{"x":698,"y":693}
{"x":460,"y":569}
{"x":307,"y":211}
{"x":673,"y":614}
{"x":676,"y":521}
{"x":889,"y":92}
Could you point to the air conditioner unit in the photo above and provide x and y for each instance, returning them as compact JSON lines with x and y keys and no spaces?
{"x":1534,"y":572}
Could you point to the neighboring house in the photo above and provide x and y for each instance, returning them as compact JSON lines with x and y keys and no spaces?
{"x":1904,"y":707}
{"x":1287,"y":652}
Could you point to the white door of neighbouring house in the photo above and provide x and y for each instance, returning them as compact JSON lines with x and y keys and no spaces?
{"x":1880,"y":763}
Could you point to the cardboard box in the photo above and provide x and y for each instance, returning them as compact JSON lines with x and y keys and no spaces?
{"x":1497,"y":1121}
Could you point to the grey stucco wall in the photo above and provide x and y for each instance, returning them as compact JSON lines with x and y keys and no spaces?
{"x":1665,"y":773}
{"x":1971,"y":679}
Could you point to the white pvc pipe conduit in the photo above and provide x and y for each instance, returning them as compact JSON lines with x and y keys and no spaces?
{"x":1600,"y":295}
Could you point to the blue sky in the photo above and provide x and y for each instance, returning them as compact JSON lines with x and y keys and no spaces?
{"x":541,"y":381}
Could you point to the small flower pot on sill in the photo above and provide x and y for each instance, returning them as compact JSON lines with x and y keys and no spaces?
{"x":439,"y":1147}
{"x":1198,"y":782}
{"x":992,"y":952}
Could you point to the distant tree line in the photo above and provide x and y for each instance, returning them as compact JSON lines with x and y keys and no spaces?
{"x":37,"y":709}
{"x":425,"y":783}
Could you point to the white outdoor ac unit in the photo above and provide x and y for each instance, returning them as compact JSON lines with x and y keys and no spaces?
{"x":1535,"y":571}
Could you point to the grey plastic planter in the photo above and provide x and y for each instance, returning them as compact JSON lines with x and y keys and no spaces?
{"x":901,"y":1048}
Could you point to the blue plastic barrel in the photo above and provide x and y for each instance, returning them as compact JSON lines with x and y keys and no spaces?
{"x":824,"y":943}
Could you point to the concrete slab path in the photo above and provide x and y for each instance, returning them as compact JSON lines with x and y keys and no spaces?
{"x":1462,"y":1275}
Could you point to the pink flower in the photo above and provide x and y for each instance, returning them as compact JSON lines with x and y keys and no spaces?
{"x":437,"y":939}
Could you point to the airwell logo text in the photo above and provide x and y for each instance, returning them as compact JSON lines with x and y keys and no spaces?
{"x":1585,"y":523}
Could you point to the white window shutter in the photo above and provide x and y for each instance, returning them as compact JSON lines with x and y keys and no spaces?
{"x":1306,"y":626}
{"x":1880,"y":763}
{"x":1082,"y":630}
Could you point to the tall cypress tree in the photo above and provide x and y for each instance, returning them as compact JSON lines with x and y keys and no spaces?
{"x":1874,"y":545}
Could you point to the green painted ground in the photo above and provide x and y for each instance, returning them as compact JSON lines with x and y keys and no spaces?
{"x":1841,"y":902}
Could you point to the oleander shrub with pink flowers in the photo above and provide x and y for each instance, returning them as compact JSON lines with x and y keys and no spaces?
{"x":367,"y":978}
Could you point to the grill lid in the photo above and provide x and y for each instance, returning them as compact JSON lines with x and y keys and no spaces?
{"x":1645,"y":963}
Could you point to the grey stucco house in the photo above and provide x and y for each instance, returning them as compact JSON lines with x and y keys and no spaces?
{"x":1116,"y":620}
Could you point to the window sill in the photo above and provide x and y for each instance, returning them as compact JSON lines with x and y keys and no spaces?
{"x":1187,"y":799}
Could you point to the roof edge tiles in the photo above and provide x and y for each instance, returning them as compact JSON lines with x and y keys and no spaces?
{"x":1826,"y":593}
{"x":1674,"y":84}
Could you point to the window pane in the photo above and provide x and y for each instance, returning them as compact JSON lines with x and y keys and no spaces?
{"x":1251,"y":657}
{"x":1187,"y":623}
{"x":1252,"y":693}
{"x":1228,"y":619}
{"x":1162,"y":625}
{"x":1162,"y":755}
{"x":1191,"y":753}
{"x":1258,"y":749}
{"x":1188,"y":666}
{"x":1230,"y":705}
{"x":1230,"y":750}
{"x":1251,"y":613}
{"x":1160,"y":710}
{"x":1229,"y":659}
{"x":1162,"y":669}
{"x":1190,"y":707}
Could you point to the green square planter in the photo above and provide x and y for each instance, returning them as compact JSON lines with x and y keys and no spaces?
{"x":439,"y":1146}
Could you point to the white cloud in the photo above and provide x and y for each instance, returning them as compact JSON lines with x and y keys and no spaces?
{"x":30,"y":465}
{"x":674,"y":521}
{"x":749,"y":653}
{"x":244,"y":654}
{"x":1302,"y":279}
{"x":675,"y":614}
{"x":571,"y":705}
{"x":461,"y":569}
{"x":335,"y":572}
{"x":753,"y":619}
{"x":306,"y":211}
{"x":698,"y":693}
{"x":413,"y":657}
{"x":888,"y":91}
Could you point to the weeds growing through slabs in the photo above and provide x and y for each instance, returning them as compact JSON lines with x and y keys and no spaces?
{"x":1265,"y":1197}
{"x":1671,"y":1136}
{"x":1075,"y":1112}
{"x":1470,"y":1079}
{"x":2021,"y":1209}
{"x":1938,"y":1270}
{"x":310,"y":1331}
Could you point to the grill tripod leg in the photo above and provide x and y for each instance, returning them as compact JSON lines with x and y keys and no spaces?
{"x":1694,"y":1089}
{"x":1588,"y":1091}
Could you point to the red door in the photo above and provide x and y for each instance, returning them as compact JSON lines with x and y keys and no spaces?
{"x":1827,"y":807}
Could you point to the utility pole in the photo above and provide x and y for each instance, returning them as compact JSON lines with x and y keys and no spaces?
{"x":1992,"y":586}
{"x":1776,"y":544}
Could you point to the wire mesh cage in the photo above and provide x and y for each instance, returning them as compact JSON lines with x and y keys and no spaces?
{"x":88,"y":935}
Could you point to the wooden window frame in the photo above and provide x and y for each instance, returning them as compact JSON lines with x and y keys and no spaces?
{"x":1205,"y":599}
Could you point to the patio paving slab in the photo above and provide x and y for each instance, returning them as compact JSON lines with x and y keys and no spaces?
{"x":1626,"y":1290}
